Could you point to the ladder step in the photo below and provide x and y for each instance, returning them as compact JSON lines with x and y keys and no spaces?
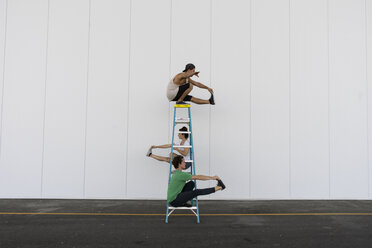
{"x":182,"y":207}
{"x":182,"y":132}
{"x":182,"y":146}
{"x":189,"y":161}
{"x":182,"y":105}
{"x":182,"y":120}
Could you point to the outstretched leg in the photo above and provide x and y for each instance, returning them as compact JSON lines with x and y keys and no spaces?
{"x":160,"y":158}
{"x":183,"y":197}
{"x":199,"y":101}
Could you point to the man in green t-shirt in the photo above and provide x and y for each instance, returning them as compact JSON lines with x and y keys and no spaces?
{"x":179,"y":192}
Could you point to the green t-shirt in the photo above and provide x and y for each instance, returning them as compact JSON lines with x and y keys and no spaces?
{"x":176,"y":184}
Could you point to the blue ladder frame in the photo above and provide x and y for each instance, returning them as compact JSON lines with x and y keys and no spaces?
{"x":191,"y":155}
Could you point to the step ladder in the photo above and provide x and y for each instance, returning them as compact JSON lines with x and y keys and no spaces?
{"x":185,"y":121}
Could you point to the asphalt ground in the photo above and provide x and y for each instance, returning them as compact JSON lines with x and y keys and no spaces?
{"x":127,"y":223}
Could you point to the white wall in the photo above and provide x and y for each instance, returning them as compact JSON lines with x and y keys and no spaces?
{"x":23,"y":98}
{"x":369,"y":87}
{"x":348,"y":99}
{"x":108,"y":73}
{"x":147,"y":109}
{"x":65,"y":101}
{"x":230,"y":78}
{"x":270,"y":126}
{"x":309,"y":91}
{"x":82,"y":96}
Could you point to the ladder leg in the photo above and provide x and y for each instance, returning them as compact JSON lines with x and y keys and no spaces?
{"x":166,"y":218}
{"x":171,"y":158}
{"x":197,"y":211}
{"x":193,"y":166}
{"x":191,"y":153}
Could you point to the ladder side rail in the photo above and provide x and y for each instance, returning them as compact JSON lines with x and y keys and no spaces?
{"x":170,"y":162}
{"x":193,"y":164}
{"x":172,"y":144}
{"x":192,"y":171}
{"x":192,"y":147}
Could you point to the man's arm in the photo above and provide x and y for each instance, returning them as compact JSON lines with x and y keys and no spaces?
{"x":200,"y":85}
{"x":185,"y":75}
{"x":204,"y":178}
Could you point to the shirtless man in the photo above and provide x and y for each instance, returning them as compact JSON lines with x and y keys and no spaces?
{"x":181,"y":85}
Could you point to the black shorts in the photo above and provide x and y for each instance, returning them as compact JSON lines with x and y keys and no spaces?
{"x":181,"y":90}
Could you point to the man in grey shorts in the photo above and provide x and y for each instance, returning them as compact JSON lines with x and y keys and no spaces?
{"x":181,"y":85}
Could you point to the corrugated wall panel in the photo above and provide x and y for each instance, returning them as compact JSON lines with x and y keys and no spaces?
{"x":348,"y":96}
{"x":309,"y":99}
{"x":270,"y":100}
{"x":66,"y":90}
{"x":105,"y":168}
{"x":231,"y":79}
{"x":23,"y":103}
